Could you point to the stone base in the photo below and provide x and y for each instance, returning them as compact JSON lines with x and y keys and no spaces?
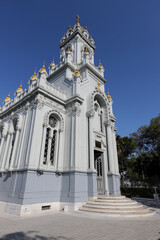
{"x":114,"y":184}
{"x":39,"y":208}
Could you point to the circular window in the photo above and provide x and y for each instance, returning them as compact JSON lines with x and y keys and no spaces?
{"x":52,"y":121}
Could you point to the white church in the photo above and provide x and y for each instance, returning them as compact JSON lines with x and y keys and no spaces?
{"x":57,"y":138}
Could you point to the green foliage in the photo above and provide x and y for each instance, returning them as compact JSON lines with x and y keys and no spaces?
{"x":139,"y":192}
{"x":139,"y":155}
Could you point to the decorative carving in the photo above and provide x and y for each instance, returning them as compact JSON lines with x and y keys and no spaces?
{"x":56,"y":113}
{"x":76,"y":110}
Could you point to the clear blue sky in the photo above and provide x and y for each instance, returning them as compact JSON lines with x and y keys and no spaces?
{"x":127,"y":39}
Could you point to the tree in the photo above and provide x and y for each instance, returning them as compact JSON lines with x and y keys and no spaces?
{"x":125,"y":148}
{"x":148,"y":151}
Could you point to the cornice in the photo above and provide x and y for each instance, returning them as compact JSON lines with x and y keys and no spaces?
{"x":86,"y":65}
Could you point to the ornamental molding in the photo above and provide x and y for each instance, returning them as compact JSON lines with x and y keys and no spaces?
{"x":58,"y":115}
{"x":76,"y":109}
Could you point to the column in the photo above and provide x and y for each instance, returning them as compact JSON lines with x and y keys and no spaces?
{"x":110,"y":149}
{"x":14,"y":157}
{"x":30,"y":135}
{"x":7,"y":150}
{"x":91,"y":149}
{"x":49,"y":147}
{"x":1,"y":149}
{"x":23,"y":134}
{"x":40,"y":164}
{"x":115,"y":154}
{"x":57,"y":163}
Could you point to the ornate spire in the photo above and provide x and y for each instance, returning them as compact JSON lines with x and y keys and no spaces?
{"x":52,"y":63}
{"x":100,"y":65}
{"x":20,"y":88}
{"x":78,"y":19}
{"x":8,"y":99}
{"x":34,"y":76}
{"x":108,"y":95}
{"x":42,"y":70}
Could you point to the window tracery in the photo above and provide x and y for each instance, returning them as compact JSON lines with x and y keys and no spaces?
{"x":50,"y":149}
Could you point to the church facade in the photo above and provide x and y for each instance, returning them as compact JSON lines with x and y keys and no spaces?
{"x":57,"y":138}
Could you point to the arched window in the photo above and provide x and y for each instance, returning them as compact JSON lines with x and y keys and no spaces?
{"x":46,"y":146}
{"x":50,"y":150}
{"x":53,"y":147}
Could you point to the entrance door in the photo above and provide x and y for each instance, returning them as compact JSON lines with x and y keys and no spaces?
{"x":98,"y":163}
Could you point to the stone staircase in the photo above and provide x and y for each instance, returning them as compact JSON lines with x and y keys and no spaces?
{"x":117,"y":206}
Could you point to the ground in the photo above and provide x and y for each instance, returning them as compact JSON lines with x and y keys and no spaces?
{"x":76,"y":226}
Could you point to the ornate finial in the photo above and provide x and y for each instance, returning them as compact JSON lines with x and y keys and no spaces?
{"x":91,"y":38}
{"x":34,"y":76}
{"x":8,"y":98}
{"x":43,"y":63}
{"x":69,"y":27}
{"x":78,"y":19}
{"x":20,"y":88}
{"x":53,"y":63}
{"x":86,"y":50}
{"x":43,"y":67}
{"x":86,"y":28}
{"x":98,"y":87}
{"x":100,"y":65}
{"x":108,"y":95}
{"x":77,"y":73}
{"x":68,"y":50}
{"x":63,"y":38}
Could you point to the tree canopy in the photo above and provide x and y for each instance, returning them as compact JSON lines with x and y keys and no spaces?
{"x":139,"y":154}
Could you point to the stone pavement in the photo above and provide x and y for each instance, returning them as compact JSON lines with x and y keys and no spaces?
{"x":77,"y":226}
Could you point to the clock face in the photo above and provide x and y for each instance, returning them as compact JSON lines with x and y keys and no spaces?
{"x":52,"y":122}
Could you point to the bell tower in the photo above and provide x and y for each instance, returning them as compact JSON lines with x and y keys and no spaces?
{"x":77,"y":45}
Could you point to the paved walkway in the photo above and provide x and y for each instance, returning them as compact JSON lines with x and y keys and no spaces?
{"x":76,"y":226}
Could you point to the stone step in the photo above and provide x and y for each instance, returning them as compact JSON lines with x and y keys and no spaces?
{"x":113,"y":203}
{"x":92,"y":205}
{"x":119,"y":213}
{"x":116,"y":206}
{"x":112,"y":198}
{"x":128,"y":210}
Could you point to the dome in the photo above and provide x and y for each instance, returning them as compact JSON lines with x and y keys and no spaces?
{"x":34,"y":76}
{"x":7,"y":98}
{"x":100,"y":65}
{"x":77,"y":73}
{"x":42,"y":70}
{"x":52,"y":63}
{"x":20,"y":89}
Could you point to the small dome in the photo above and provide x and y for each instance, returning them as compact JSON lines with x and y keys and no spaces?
{"x":20,"y":89}
{"x":86,"y":50}
{"x":100,"y":65}
{"x":8,"y":99}
{"x":77,"y":73}
{"x":34,"y":76}
{"x":42,"y":70}
{"x":52,"y":63}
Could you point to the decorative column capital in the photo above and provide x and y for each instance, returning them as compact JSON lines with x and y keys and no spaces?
{"x":90,"y":114}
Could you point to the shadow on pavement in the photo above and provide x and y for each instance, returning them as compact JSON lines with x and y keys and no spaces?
{"x":24,"y":236}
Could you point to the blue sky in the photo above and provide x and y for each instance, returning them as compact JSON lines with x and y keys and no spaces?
{"x":127,"y":39}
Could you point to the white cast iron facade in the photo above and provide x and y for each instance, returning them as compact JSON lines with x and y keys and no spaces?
{"x":57,"y":138}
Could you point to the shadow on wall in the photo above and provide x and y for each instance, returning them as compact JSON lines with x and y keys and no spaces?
{"x":25,"y":236}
